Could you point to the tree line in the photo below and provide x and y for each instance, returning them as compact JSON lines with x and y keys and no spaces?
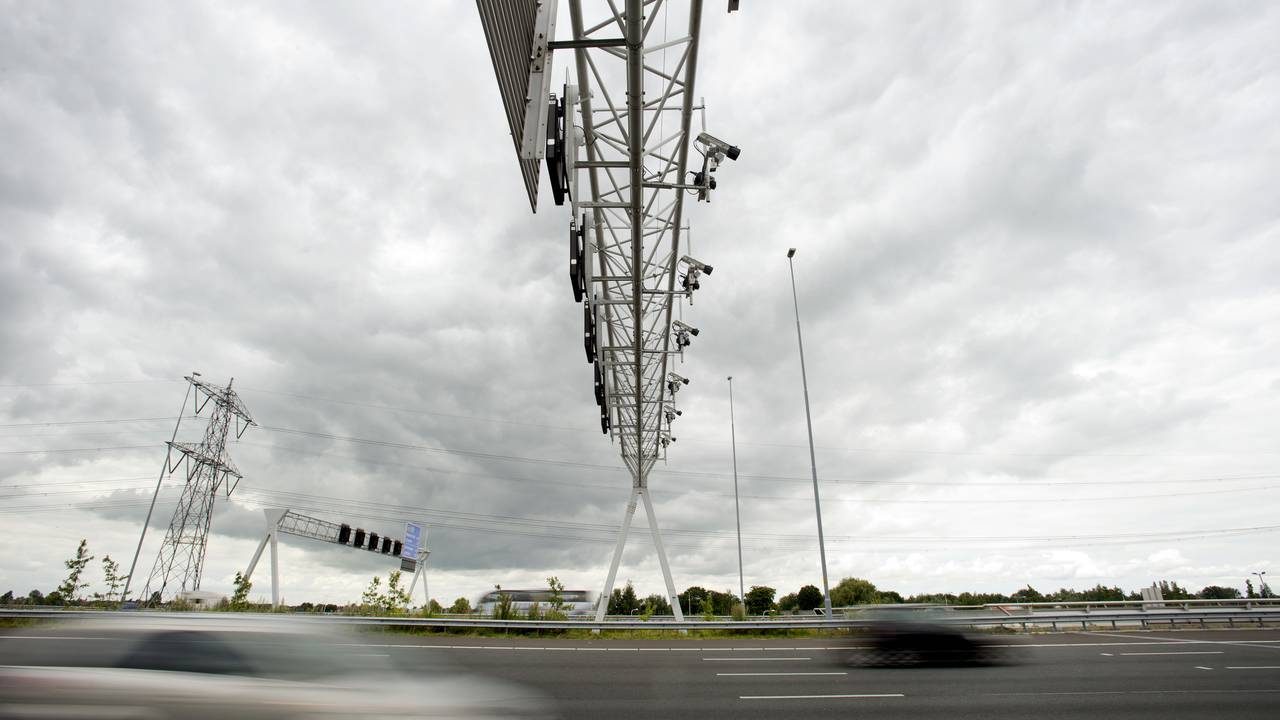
{"x":392,"y":597}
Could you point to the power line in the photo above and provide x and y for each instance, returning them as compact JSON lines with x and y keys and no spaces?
{"x":49,"y":423}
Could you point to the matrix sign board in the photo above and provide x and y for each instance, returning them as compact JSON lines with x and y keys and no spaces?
{"x":412,"y":536}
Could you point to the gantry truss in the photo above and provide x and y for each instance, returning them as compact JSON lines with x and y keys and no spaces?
{"x":616,"y":141}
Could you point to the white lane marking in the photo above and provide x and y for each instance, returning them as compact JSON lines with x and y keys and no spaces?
{"x":1107,"y":654}
{"x":771,"y":659}
{"x":1253,"y":667}
{"x":49,"y":637}
{"x":1085,"y":645}
{"x":772,"y":674}
{"x":1173,"y":641}
{"x":1201,"y":667}
{"x":622,"y":649}
{"x":1179,"y":652}
{"x":1134,"y":692}
{"x":813,"y":697}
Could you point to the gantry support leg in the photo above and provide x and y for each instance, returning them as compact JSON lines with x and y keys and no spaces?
{"x":603,"y":606}
{"x":672,"y":596}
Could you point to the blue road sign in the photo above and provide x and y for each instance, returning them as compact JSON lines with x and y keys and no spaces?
{"x":412,"y":534}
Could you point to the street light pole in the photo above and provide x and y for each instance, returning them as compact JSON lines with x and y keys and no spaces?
{"x":737,"y":511}
{"x":813,"y":461}
{"x":1262,"y":583}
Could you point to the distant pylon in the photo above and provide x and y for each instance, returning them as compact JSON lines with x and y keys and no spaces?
{"x":181,"y":558}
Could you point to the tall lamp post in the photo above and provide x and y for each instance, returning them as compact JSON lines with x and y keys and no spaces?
{"x":813,"y":461}
{"x":1262,"y":583}
{"x":737,"y":512}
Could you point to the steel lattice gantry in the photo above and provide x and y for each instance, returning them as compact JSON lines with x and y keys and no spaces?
{"x":616,"y":143}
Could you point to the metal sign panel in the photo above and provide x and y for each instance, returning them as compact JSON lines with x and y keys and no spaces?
{"x":509,"y":29}
{"x":412,"y":536}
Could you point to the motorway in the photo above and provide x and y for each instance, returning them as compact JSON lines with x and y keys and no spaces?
{"x":1210,"y":673}
{"x":1112,"y":674}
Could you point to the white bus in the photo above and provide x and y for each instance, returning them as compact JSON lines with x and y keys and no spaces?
{"x":576,"y":602}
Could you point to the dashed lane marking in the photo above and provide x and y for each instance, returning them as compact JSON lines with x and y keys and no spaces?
{"x":772,"y":674}
{"x":819,"y":697}
{"x":769,"y":659}
{"x":1179,"y":652}
{"x":1201,"y":667}
{"x":1253,"y":667}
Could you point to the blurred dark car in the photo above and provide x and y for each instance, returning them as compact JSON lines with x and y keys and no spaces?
{"x":911,"y":636}
{"x":220,"y":667}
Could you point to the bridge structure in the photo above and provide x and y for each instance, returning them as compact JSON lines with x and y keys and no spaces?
{"x":618,"y":142}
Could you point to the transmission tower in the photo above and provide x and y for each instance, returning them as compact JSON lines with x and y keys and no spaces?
{"x":624,"y":121}
{"x":208,"y":469}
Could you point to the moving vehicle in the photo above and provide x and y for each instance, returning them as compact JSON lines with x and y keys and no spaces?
{"x":914,"y":636}
{"x":208,"y":666}
{"x":575,"y":602}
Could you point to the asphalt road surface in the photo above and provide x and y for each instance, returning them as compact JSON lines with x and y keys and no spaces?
{"x":1183,"y":674}
{"x":1095,"y":675}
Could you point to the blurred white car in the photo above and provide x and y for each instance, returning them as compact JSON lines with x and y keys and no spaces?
{"x":228,"y":667}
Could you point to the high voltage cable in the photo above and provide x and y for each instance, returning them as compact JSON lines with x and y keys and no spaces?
{"x":779,"y":543}
{"x":779,"y":478}
{"x":72,"y":450}
{"x":668,"y":493}
{"x":501,"y":421}
{"x":680,"y":473}
{"x":345,"y":502}
{"x":46,"y":423}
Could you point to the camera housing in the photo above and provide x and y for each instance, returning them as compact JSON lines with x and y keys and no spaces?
{"x":719,"y":147}
{"x":685,"y":327}
{"x":697,"y":264}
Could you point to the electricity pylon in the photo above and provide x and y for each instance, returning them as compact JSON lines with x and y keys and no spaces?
{"x":625,"y":123}
{"x":208,"y":469}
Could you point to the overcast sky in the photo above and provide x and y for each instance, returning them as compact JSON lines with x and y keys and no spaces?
{"x":1038,"y":251}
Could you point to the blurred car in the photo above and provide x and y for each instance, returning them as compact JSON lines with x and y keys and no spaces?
{"x":912,"y":636}
{"x":219,"y":667}
{"x":575,"y":603}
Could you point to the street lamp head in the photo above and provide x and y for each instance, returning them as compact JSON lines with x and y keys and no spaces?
{"x":791,"y":253}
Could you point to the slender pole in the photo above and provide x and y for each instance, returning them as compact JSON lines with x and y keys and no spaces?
{"x":163,"y":469}
{"x":813,"y":461}
{"x":737,"y":511}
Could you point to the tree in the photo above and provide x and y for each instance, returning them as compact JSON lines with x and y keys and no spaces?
{"x":240,"y":593}
{"x":808,"y":598}
{"x":656,"y":604}
{"x":854,"y":591}
{"x":111,"y":571}
{"x":503,"y":610}
{"x":395,"y":599}
{"x":555,"y":604}
{"x":1217,"y":592}
{"x":371,"y":600}
{"x":35,"y":597}
{"x":1026,"y":595}
{"x":623,"y":601}
{"x":788,"y":602}
{"x":433,"y":607}
{"x":461,"y":606}
{"x":694,"y":600}
{"x":1249,"y":593}
{"x":760,"y":599}
{"x":71,"y":587}
{"x":1173,"y":591}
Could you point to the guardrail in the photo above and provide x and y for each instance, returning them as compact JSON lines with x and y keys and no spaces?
{"x":1143,"y":617}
